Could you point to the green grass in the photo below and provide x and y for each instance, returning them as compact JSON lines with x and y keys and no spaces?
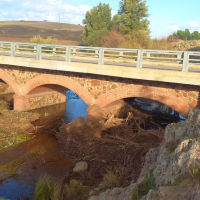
{"x":47,"y":189}
{"x":178,"y":180}
{"x":12,"y":138}
{"x":74,"y":189}
{"x":194,"y":171}
{"x":171,"y":149}
{"x":12,"y":167}
{"x":143,"y":188}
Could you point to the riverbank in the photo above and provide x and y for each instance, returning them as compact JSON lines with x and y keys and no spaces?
{"x":14,"y":126}
{"x":112,"y":148}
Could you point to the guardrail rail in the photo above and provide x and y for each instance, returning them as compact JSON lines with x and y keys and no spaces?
{"x":99,"y":55}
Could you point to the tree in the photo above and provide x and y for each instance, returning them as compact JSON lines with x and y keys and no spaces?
{"x":195,"y":35}
{"x":97,"y":24}
{"x":133,"y":16}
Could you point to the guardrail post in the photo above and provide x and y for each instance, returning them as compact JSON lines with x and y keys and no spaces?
{"x":140,"y":58}
{"x":12,"y":49}
{"x":101,"y":56}
{"x":121,"y":54}
{"x":74,"y":52}
{"x":148,"y":56}
{"x":39,"y":52}
{"x":35,"y":48}
{"x":179,"y":57}
{"x":185,"y":61}
{"x":54,"y":51}
{"x":68,"y":54}
{"x":96,"y":53}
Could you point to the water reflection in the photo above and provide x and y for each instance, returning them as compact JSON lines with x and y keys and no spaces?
{"x":69,"y":111}
{"x":13,"y":190}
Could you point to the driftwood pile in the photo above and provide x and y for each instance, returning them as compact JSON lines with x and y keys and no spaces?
{"x":119,"y":140}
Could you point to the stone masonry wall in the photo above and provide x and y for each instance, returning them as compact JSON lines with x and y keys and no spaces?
{"x":5,"y":89}
{"x":46,"y":99}
{"x":99,"y":87}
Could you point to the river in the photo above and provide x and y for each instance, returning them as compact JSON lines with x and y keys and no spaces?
{"x":50,"y":118}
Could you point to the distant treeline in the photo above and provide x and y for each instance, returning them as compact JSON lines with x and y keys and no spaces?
{"x":187,"y":35}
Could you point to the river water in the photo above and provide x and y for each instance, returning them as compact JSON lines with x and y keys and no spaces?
{"x":13,"y":189}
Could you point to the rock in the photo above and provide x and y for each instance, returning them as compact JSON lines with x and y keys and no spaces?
{"x":116,"y":194}
{"x":80,"y":167}
{"x":168,"y":164}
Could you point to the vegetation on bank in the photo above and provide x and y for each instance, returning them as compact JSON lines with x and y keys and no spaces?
{"x":14,"y":132}
{"x":49,"y":189}
{"x":40,"y":40}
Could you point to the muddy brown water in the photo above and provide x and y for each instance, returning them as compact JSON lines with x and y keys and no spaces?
{"x":43,"y":153}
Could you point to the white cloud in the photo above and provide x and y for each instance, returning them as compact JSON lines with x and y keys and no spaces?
{"x":191,"y":25}
{"x":42,"y":10}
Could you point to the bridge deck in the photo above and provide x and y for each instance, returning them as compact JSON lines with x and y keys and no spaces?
{"x":152,"y":65}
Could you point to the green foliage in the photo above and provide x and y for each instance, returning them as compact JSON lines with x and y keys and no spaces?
{"x":97,"y":23}
{"x":143,"y":188}
{"x":12,"y":138}
{"x":75,"y":188}
{"x":46,"y":189}
{"x":12,"y":167}
{"x":186,"y":35}
{"x":133,"y":16}
{"x":39,"y":40}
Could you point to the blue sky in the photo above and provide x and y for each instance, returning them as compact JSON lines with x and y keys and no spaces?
{"x":165,"y":16}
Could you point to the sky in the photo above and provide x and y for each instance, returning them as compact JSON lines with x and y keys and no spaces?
{"x":165,"y":16}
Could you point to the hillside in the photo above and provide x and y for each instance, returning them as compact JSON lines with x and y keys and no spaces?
{"x":22,"y":31}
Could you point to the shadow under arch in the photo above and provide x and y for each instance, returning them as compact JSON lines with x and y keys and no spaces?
{"x":179,"y":105}
{"x":10,"y":81}
{"x":60,"y":80}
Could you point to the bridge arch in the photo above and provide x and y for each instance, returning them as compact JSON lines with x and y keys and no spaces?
{"x":64,"y":81}
{"x":10,"y":81}
{"x":150,"y":92}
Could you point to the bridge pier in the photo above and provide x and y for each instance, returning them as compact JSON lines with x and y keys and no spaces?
{"x":34,"y":101}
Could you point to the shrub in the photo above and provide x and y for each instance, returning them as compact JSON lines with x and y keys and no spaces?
{"x":39,"y":40}
{"x":113,"y":179}
{"x":143,"y":188}
{"x":137,"y":40}
{"x":75,"y":188}
{"x":114,"y":38}
{"x":162,"y":44}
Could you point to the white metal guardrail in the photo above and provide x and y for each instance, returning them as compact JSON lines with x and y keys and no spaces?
{"x":99,"y":54}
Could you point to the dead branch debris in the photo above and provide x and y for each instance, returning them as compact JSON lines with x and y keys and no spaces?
{"x":123,"y":142}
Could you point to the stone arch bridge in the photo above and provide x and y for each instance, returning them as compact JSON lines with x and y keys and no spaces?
{"x":36,"y":87}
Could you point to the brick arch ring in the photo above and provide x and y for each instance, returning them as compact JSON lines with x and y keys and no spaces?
{"x":10,"y":81}
{"x":58,"y":80}
{"x":180,"y":105}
